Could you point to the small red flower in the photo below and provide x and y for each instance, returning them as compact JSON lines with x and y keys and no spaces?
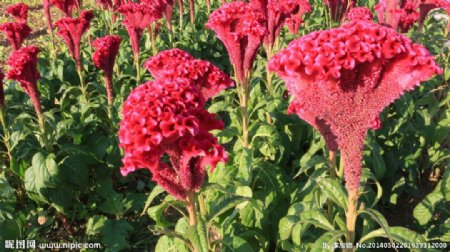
{"x":338,"y":8}
{"x":241,"y":28}
{"x":166,"y":117}
{"x":15,"y":33}
{"x":137,"y":18}
{"x":65,"y":6}
{"x":46,"y":4}
{"x":398,"y":14}
{"x":359,"y":13}
{"x":106,"y":50}
{"x":19,"y":12}
{"x":71,"y":30}
{"x":23,"y":69}
{"x":175,"y":64}
{"x":341,"y":79}
{"x":166,"y":6}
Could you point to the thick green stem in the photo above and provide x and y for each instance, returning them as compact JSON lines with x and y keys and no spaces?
{"x":269,"y":49}
{"x":6,"y":135}
{"x":243,"y":89}
{"x":190,"y":206}
{"x":201,"y":204}
{"x":332,"y":163}
{"x":351,"y":215}
{"x":82,"y":84}
{"x":138,"y":68}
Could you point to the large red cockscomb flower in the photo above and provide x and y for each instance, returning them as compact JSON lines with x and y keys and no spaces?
{"x":15,"y":33}
{"x":65,"y":6}
{"x":166,"y":117}
{"x":341,"y":79}
{"x":175,"y":64}
{"x":277,"y":12}
{"x":398,"y":14}
{"x":71,"y":30}
{"x":23,"y":69}
{"x":106,"y":50}
{"x":19,"y":12}
{"x":338,"y":8}
{"x":137,"y":18}
{"x":241,"y":28}
{"x":359,"y":13}
{"x":166,"y":7}
{"x":2,"y":91}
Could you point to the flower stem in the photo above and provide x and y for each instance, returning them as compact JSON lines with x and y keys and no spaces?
{"x":82,"y":84}
{"x":268,"y":74}
{"x":181,"y":10}
{"x":201,"y":204}
{"x":6,"y":136}
{"x":351,"y":216}
{"x":190,"y":205}
{"x":153,"y":38}
{"x":192,"y":11}
{"x":332,"y":162}
{"x":138,"y":68}
{"x":243,"y":89}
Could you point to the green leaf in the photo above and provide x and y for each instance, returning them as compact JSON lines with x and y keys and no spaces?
{"x":7,"y":198}
{"x":399,"y":234}
{"x":165,"y":244}
{"x":423,"y":212}
{"x":113,"y":204}
{"x":326,"y":241}
{"x":94,"y":224}
{"x":285,"y":226}
{"x":75,"y":170}
{"x":115,"y":234}
{"x":334,"y":191}
{"x":237,"y":244}
{"x":42,"y":173}
{"x":155,"y":192}
{"x":379,"y":218}
{"x":197,"y":235}
{"x":223,"y":204}
{"x":245,"y":163}
{"x":316,"y":218}
{"x":9,"y":230}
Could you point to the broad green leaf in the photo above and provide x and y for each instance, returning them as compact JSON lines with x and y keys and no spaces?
{"x":244,"y":161}
{"x":223,"y":204}
{"x":317,"y":218}
{"x":42,"y":173}
{"x":379,"y":218}
{"x":326,"y":241}
{"x":423,"y":212}
{"x":285,"y":226}
{"x":166,"y":244}
{"x":7,"y":198}
{"x":367,"y":174}
{"x":9,"y":230}
{"x":237,"y":244}
{"x":115,"y":234}
{"x":113,"y":204}
{"x":399,"y":234}
{"x":334,"y":191}
{"x":155,"y":192}
{"x":94,"y":224}
{"x":198,"y":237}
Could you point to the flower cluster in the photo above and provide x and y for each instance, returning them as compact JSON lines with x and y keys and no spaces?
{"x":241,"y":28}
{"x":106,"y":50}
{"x":15,"y":33}
{"x":398,"y":14}
{"x":175,"y":64}
{"x":359,"y":13}
{"x":19,"y":12}
{"x":341,"y":79}
{"x":166,"y":117}
{"x":65,"y":6}
{"x":71,"y":30}
{"x":339,"y":8}
{"x":23,"y":69}
{"x":137,"y":18}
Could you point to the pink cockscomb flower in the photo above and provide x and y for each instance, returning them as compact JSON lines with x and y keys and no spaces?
{"x":106,"y":50}
{"x":341,"y":79}
{"x":166,"y":117}
{"x":359,"y":13}
{"x":23,"y":69}
{"x":166,"y":7}
{"x":71,"y":30}
{"x":398,"y":14}
{"x":137,"y":18}
{"x":19,"y":12}
{"x":65,"y":6}
{"x":338,"y":8}
{"x":16,"y":33}
{"x":175,"y":64}
{"x":241,"y":28}
{"x":46,"y":4}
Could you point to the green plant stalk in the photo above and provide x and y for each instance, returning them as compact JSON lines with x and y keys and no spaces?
{"x":181,"y":10}
{"x":201,"y":204}
{"x":332,"y":163}
{"x":82,"y":84}
{"x":6,"y":134}
{"x":190,"y":206}
{"x":351,"y":215}
{"x":151,"y":30}
{"x":341,"y":168}
{"x":138,"y":70}
{"x":269,"y":49}
{"x":243,"y":92}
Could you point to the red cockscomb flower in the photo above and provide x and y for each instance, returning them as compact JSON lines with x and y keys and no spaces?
{"x":166,"y":7}
{"x":19,"y":12}
{"x":338,"y":8}
{"x":106,"y":50}
{"x":175,"y":64}
{"x":241,"y":29}
{"x":137,"y":18}
{"x":46,"y":4}
{"x":166,"y":117}
{"x":341,"y":79}
{"x":15,"y":33}
{"x":65,"y":6}
{"x":359,"y":13}
{"x":398,"y":14}
{"x":71,"y":30}
{"x":23,"y":69}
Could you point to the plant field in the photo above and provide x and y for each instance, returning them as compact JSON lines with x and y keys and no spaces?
{"x":261,"y":125}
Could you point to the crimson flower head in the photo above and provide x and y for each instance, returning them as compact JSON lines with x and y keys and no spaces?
{"x":65,"y":6}
{"x":106,"y":50}
{"x":19,"y":12}
{"x":341,"y":79}
{"x":175,"y":64}
{"x":338,"y":8}
{"x":398,"y":14}
{"x":241,"y":28}
{"x":359,"y":13}
{"x":166,"y":118}
{"x":71,"y":30}
{"x":279,"y":12}
{"x":16,"y":33}
{"x":137,"y":18}
{"x":23,"y":69}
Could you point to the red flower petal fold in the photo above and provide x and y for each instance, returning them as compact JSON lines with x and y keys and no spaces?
{"x":137,"y":18}
{"x":16,"y":33}
{"x":341,"y":79}
{"x":104,"y":56}
{"x":166,"y":117}
{"x":241,"y":28}
{"x":175,"y":64}
{"x":19,"y":12}
{"x":71,"y":30}
{"x":23,"y":69}
{"x":398,"y":14}
{"x":65,"y":6}
{"x":359,"y":13}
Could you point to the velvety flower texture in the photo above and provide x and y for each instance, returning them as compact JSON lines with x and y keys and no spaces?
{"x":339,"y":8}
{"x":241,"y":28}
{"x":175,"y":64}
{"x":106,"y":50}
{"x":23,"y":69}
{"x":166,"y":6}
{"x":341,"y":79}
{"x":19,"y":12}
{"x":71,"y":30}
{"x":359,"y":13}
{"x":279,"y":11}
{"x":398,"y":14}
{"x":16,"y":33}
{"x":166,"y":118}
{"x":65,"y":6}
{"x":137,"y":18}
